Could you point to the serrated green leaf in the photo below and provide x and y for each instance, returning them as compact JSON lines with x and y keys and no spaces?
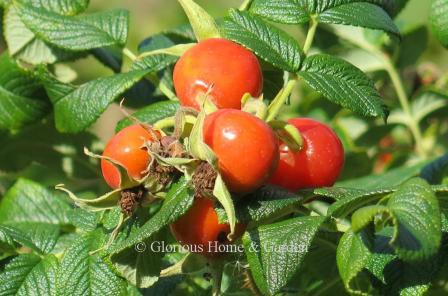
{"x":270,"y":241}
{"x":281,"y":11}
{"x":439,"y":20}
{"x":268,"y":42}
{"x":151,"y":114}
{"x":76,"y":33}
{"x":27,"y":201}
{"x":84,"y":274}
{"x":21,"y":99}
{"x":83,"y":220}
{"x":203,"y":24}
{"x":364,"y":216}
{"x":155,"y":63}
{"x":23,"y":44}
{"x":64,"y":7}
{"x":360,"y":14}
{"x":300,"y":11}
{"x":343,"y":84}
{"x":178,"y":200}
{"x":77,"y":110}
{"x":30,"y":274}
{"x":140,"y":265}
{"x":353,"y":256}
{"x":415,"y":211}
{"x":264,"y":203}
{"x":39,"y":237}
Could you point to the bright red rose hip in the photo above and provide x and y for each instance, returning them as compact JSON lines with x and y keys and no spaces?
{"x":226,"y":68}
{"x":318,"y":164}
{"x":246,"y":148}
{"x":126,"y":147}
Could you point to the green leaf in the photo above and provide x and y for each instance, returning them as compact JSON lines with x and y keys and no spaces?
{"x":343,"y":84}
{"x":84,"y":220}
{"x":270,"y":241}
{"x":139,"y":265}
{"x":151,"y":113}
{"x":25,"y":45}
{"x":85,"y":274}
{"x":281,"y":11}
{"x":300,"y":11}
{"x":439,"y":20}
{"x":268,"y":42}
{"x":415,"y":211}
{"x":203,"y":24}
{"x":76,"y":33}
{"x":21,"y":100}
{"x":30,"y":274}
{"x":388,"y":179}
{"x":264,"y":203}
{"x":436,"y":170}
{"x":353,"y":256}
{"x":360,"y":14}
{"x":365,"y":215}
{"x":27,"y":201}
{"x":39,"y":237}
{"x":64,"y":7}
{"x":177,"y":201}
{"x":77,"y":110}
{"x":413,"y":45}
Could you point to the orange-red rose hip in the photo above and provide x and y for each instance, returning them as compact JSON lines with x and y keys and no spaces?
{"x":200,"y":231}
{"x":318,"y":164}
{"x":246,"y":148}
{"x":225,"y":68}
{"x":126,"y":147}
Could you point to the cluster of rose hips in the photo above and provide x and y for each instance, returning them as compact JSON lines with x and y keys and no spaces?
{"x":249,"y":153}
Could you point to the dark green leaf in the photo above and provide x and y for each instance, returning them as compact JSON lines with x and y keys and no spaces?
{"x":177,"y":202}
{"x":278,"y":243}
{"x":360,"y":14}
{"x":266,"y":202}
{"x":435,"y":171}
{"x":110,"y":57}
{"x":353,"y":255}
{"x":268,"y":42}
{"x":416,"y":213}
{"x":30,"y":274}
{"x":77,"y":110}
{"x":21,"y":100}
{"x":152,"y":113}
{"x":343,"y":84}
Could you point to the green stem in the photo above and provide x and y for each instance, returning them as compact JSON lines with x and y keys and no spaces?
{"x":216,"y":269}
{"x":280,"y":100}
{"x":404,"y":102}
{"x":310,"y":35}
{"x":245,"y":5}
{"x":127,"y":52}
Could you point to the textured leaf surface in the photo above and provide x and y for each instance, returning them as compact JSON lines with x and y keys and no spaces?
{"x":27,"y":201}
{"x":343,"y":84}
{"x":271,"y":243}
{"x":360,"y":14}
{"x":30,"y":274}
{"x":439,"y":20}
{"x":178,"y":200}
{"x":78,"y":32}
{"x":19,"y":96}
{"x":152,"y":113}
{"x":77,"y":110}
{"x":85,"y":274}
{"x":268,"y":42}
